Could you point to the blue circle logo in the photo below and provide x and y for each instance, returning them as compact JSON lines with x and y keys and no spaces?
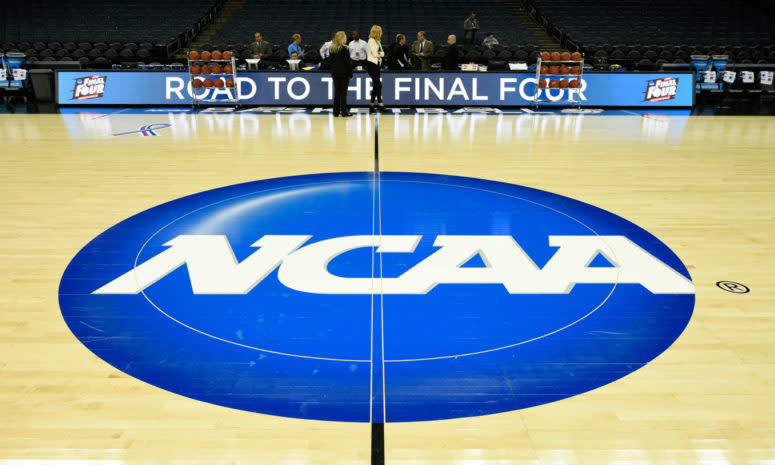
{"x":403,"y":298}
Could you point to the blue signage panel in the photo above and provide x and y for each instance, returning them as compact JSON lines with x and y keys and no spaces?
{"x":407,"y":89}
{"x":277,"y":297}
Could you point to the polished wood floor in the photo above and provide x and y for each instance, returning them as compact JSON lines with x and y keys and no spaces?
{"x":704,"y":185}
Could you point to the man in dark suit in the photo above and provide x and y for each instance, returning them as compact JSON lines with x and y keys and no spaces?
{"x":260,"y":48}
{"x":398,"y":54}
{"x":451,"y":58}
{"x":423,"y":50}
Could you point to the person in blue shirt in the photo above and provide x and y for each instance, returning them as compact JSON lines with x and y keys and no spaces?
{"x":296,"y":47}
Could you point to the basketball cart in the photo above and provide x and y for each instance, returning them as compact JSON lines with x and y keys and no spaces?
{"x":573,"y":94}
{"x":200,"y":94}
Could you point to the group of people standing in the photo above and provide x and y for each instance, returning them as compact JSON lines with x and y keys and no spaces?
{"x":398,"y":55}
{"x":341,"y":58}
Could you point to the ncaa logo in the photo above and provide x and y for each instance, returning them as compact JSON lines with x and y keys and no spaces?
{"x":462,"y":296}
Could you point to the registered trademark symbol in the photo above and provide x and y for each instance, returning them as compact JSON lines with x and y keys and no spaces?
{"x":733,"y":287}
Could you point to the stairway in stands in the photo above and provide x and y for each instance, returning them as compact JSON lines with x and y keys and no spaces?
{"x":229,"y":10}
{"x":545,"y":41}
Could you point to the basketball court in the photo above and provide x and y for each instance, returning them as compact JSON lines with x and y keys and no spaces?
{"x":703,"y":185}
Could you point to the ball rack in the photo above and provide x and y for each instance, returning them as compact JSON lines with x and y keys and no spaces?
{"x":574,"y":95}
{"x":196,"y":100}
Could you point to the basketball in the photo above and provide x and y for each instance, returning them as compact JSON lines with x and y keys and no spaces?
{"x":205,"y":55}
{"x":575,"y":56}
{"x":227,"y":55}
{"x":575,"y":70}
{"x":208,"y":82}
{"x":564,"y":84}
{"x":218,"y":83}
{"x":564,"y":69}
{"x":230,"y":82}
{"x":196,"y":69}
{"x":544,"y":69}
{"x":553,"y":84}
{"x":546,"y":56}
{"x":216,"y":69}
{"x":565,"y":56}
{"x":573,"y":84}
{"x":196,"y":83}
{"x":556,"y":56}
{"x":193,"y":55}
{"x":228,"y":69}
{"x":542,"y":84}
{"x":216,"y":55}
{"x":205,"y":69}
{"x":554,"y":69}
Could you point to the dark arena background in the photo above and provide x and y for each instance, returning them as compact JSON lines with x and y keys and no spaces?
{"x":402,"y":232}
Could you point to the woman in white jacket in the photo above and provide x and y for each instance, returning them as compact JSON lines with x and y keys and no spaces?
{"x":374,"y":55}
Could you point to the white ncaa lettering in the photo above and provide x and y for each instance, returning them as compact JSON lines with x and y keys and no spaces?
{"x":213,"y":268}
{"x":307,"y":269}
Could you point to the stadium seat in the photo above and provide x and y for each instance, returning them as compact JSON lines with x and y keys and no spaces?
{"x":646,"y":65}
{"x":126,"y":54}
{"x":634,"y":55}
{"x":111,"y":54}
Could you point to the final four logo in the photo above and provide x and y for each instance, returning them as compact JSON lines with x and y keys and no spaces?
{"x":282,"y":297}
{"x":661,"y":89}
{"x":89,"y":87}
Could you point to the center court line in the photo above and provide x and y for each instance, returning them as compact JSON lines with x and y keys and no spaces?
{"x":377,"y":424}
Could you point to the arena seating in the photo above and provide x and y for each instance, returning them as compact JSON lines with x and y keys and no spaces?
{"x":315,"y":21}
{"x":661,"y":22}
{"x":636,"y":34}
{"x":98,"y":32}
{"x":101,"y":21}
{"x":645,"y":58}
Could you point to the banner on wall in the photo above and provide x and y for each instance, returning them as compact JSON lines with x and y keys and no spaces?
{"x":408,"y":89}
